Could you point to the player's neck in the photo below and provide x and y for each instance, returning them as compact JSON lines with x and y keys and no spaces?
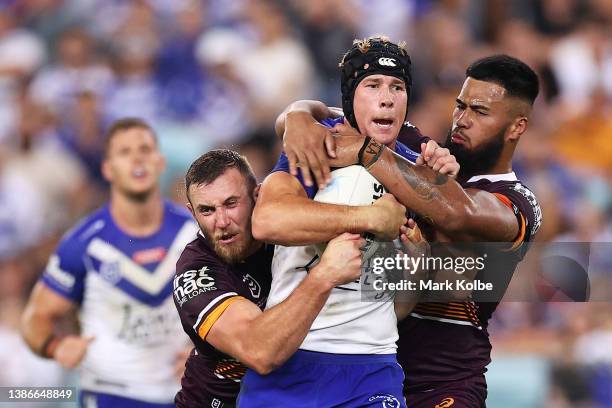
{"x":504,"y":163}
{"x":137,"y":218}
{"x":501,"y":168}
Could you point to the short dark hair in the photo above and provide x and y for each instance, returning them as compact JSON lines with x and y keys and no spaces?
{"x":125,"y":124}
{"x":208,"y":167}
{"x":514,"y":75}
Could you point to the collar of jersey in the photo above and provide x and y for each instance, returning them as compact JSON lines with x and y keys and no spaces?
{"x":494,"y":177}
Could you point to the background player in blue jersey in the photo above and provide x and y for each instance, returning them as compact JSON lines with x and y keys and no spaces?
{"x":116,"y":269}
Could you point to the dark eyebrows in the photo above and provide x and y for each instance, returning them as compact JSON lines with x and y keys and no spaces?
{"x":473,"y":106}
{"x":228,"y":200}
{"x":203,"y":207}
{"x":372,"y":79}
{"x":231,"y":198}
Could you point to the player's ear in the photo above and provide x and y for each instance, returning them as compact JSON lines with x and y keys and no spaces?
{"x":106,"y":171}
{"x":517,"y":128}
{"x":256,"y":192}
{"x":190,"y":208}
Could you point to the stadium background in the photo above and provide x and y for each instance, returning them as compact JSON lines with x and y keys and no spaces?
{"x":217,"y":72}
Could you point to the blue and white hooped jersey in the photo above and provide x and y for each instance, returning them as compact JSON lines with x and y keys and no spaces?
{"x":346,"y":324}
{"x":123,"y":285}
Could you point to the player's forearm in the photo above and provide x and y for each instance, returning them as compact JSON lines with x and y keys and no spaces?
{"x":277,"y":333}
{"x":318,"y":111}
{"x":435,"y":197}
{"x":36,"y":329}
{"x":301,"y":221}
{"x":458,"y":213}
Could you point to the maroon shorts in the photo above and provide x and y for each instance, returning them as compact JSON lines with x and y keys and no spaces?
{"x":468,"y":393}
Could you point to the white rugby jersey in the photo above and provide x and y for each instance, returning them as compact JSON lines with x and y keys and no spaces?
{"x":351,"y":322}
{"x":123,"y":285}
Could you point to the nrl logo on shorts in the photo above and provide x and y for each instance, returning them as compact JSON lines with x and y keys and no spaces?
{"x":253,"y":285}
{"x":386,"y":62}
{"x":386,"y":400}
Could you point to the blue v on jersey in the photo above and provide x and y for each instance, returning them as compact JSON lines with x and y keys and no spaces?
{"x":123,"y":285}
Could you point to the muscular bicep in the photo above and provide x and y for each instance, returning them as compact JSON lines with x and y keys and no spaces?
{"x":44,"y":309}
{"x":284,"y":215}
{"x":277,"y":186}
{"x":44,"y":301}
{"x":494,"y":219}
{"x":231,"y":330}
{"x":280,"y":195}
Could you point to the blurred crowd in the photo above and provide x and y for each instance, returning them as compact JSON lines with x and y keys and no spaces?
{"x":214,"y":73}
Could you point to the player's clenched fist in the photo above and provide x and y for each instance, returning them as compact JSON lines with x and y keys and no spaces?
{"x":388,"y":215}
{"x":71,"y":350}
{"x":438,"y":158}
{"x":341,"y":261}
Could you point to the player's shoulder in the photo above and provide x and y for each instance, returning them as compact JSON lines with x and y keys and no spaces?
{"x":177,"y":213}
{"x":87,"y":227}
{"x":500,"y":183}
{"x":508,"y":185}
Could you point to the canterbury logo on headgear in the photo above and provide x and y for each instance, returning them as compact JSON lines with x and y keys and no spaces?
{"x":388,"y":62}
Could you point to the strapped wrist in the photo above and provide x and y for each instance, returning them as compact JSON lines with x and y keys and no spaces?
{"x":370,"y":152}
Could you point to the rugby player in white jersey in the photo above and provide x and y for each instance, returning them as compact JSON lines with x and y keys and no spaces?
{"x":116,"y":269}
{"x":348,"y":357}
{"x":486,"y":204}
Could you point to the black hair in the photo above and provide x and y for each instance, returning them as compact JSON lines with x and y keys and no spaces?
{"x":515,"y":76}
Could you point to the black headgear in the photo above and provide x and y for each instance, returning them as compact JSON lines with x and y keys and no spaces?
{"x":380,"y":57}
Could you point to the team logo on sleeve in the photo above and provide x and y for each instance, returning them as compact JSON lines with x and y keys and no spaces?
{"x":253,"y":285}
{"x":190,"y":284}
{"x":533,"y":202}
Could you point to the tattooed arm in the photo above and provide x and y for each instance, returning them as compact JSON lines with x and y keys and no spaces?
{"x":461,"y":214}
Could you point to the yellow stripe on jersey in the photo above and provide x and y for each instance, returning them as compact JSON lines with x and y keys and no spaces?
{"x":521,"y":235}
{"x":212,"y":318}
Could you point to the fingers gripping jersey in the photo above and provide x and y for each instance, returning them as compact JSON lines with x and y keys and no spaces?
{"x":123,"y":285}
{"x":348,"y":323}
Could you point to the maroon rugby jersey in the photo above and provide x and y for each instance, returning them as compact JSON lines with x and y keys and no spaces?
{"x":204,"y":286}
{"x":412,"y":137}
{"x":441,"y":342}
